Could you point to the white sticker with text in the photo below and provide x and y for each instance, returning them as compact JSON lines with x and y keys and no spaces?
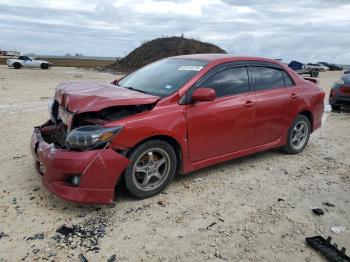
{"x":190,"y":68}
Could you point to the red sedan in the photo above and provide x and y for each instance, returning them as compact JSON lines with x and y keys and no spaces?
{"x":173,"y":116}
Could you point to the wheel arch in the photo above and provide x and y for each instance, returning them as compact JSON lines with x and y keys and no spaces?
{"x":120,"y":183}
{"x":174,"y":143}
{"x":309,"y":115}
{"x":170,"y":140}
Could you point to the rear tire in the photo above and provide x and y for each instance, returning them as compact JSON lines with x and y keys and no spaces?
{"x":314,"y":73}
{"x":335,"y":108}
{"x":44,"y":66}
{"x":152,"y":167}
{"x":17,"y":65}
{"x":298,"y":135}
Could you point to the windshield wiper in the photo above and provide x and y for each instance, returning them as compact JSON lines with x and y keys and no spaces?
{"x":134,"y":89}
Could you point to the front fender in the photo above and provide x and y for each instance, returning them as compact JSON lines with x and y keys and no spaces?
{"x":167,"y":121}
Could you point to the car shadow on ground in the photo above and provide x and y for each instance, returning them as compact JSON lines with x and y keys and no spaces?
{"x":342,"y":111}
{"x":122,"y":196}
{"x":204,"y":173}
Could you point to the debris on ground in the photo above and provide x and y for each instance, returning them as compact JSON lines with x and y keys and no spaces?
{"x":329,"y":251}
{"x":82,"y":258}
{"x":318,"y":211}
{"x":112,"y":258}
{"x":162,"y":203}
{"x":338,"y":230}
{"x":135,"y":210}
{"x":328,"y":204}
{"x":85,"y":235}
{"x":2,"y":235}
{"x":39,"y":236}
{"x":18,"y":157}
{"x":212,"y":224}
{"x":64,"y":230}
{"x":36,"y":251}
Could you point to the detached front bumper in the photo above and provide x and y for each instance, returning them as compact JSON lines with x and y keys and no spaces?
{"x":99,"y":171}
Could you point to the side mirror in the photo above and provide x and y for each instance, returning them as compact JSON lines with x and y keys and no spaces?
{"x":203,"y":94}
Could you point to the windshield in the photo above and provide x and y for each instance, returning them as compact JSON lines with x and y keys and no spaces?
{"x":164,"y":77}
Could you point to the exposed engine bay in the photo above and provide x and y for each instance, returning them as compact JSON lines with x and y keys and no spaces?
{"x":62,"y":121}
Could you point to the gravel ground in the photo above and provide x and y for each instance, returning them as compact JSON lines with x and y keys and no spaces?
{"x":256,"y":208}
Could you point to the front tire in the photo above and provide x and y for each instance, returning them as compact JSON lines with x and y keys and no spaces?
{"x":298,"y":135}
{"x":152,"y":167}
{"x":17,"y":65}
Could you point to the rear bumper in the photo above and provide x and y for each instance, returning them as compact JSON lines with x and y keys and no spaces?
{"x":99,"y":171}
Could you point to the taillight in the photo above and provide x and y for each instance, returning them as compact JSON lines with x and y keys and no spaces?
{"x":345,"y":89}
{"x":332,"y":94}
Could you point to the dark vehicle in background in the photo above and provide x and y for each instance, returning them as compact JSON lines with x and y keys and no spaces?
{"x":346,"y":72}
{"x":340,"y":93}
{"x":302,"y":69}
{"x":332,"y":67}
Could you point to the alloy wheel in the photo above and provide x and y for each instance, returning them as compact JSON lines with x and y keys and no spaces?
{"x":299,"y":134}
{"x":151,"y":169}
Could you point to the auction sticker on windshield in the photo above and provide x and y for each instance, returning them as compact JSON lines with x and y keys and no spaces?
{"x":190,"y":68}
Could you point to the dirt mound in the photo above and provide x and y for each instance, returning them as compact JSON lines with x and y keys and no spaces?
{"x":161,"y":48}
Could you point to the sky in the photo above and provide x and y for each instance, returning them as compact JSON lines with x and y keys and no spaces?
{"x":303,"y":30}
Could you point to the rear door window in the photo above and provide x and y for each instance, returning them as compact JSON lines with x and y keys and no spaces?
{"x":266,"y":77}
{"x":229,"y":81}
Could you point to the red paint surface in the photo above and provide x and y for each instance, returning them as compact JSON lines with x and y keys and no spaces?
{"x":82,"y":96}
{"x":345,"y":90}
{"x":207,"y":132}
{"x":100,"y":171}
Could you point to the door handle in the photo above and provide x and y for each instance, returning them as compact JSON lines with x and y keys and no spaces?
{"x":293,"y":96}
{"x":249,"y":103}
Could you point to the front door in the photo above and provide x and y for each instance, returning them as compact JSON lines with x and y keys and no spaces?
{"x":227,"y":124}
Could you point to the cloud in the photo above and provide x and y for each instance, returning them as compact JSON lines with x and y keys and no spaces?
{"x":308,"y":30}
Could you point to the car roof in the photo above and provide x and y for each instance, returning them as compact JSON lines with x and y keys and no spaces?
{"x":225,"y":58}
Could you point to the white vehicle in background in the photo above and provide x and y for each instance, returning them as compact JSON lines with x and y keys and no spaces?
{"x":323,"y":67}
{"x":316,"y":66}
{"x":28,"y":62}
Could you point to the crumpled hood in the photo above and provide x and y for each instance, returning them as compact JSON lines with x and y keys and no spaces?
{"x":83,"y":96}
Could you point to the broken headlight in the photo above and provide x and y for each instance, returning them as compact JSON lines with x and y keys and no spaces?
{"x":51,"y":111}
{"x":88,"y":137}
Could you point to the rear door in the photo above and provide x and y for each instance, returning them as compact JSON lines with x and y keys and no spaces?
{"x":227,"y":124}
{"x":277,"y":101}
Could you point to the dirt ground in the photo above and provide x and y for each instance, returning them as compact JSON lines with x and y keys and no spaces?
{"x":256,"y":208}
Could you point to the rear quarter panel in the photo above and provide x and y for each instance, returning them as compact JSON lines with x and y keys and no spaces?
{"x":314,"y":101}
{"x":311,"y":98}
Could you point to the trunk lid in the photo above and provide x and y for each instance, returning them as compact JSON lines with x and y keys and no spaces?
{"x":83,"y":96}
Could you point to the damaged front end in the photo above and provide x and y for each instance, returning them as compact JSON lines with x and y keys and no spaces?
{"x":73,"y":155}
{"x":84,"y":131}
